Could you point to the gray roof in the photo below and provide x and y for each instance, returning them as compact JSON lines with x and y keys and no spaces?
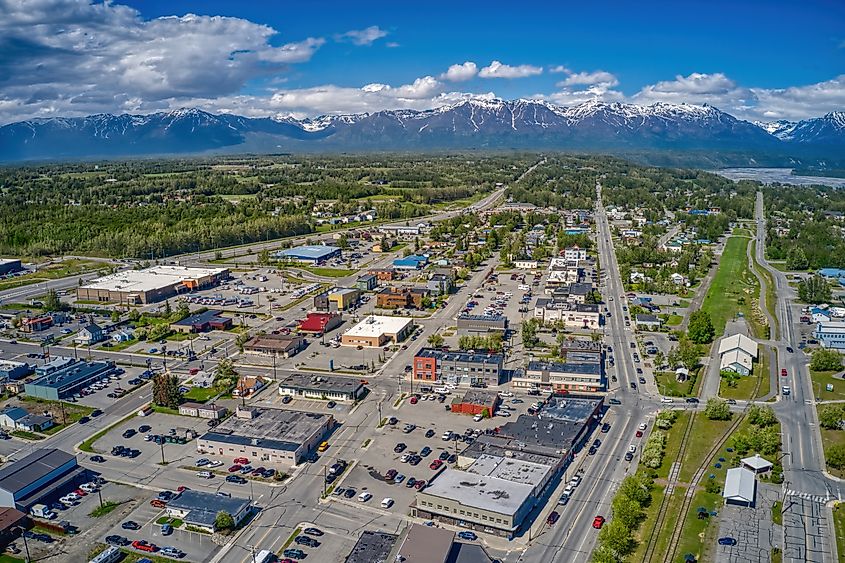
{"x":460,"y":356}
{"x":641,"y":318}
{"x":321,"y":382}
{"x":22,"y":473}
{"x":468,"y":553}
{"x":740,"y":484}
{"x":587,"y":368}
{"x":272,"y":428}
{"x":425,"y":544}
{"x":483,"y":492}
{"x":372,"y":547}
{"x":204,"y":507}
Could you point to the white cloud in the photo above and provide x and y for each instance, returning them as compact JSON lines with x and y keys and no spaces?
{"x":558,"y":69}
{"x":801,"y":102}
{"x":589,"y":78}
{"x":461,"y":72}
{"x":497,"y":69}
{"x":362,"y":37}
{"x":391,"y":44}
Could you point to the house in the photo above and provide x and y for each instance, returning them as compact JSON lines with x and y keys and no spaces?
{"x":10,"y":416}
{"x":36,"y":324}
{"x":211,"y":412}
{"x":200,"y":509}
{"x":678,"y":279}
{"x":439,"y":284}
{"x":637,"y":277}
{"x":681,"y":374}
{"x":575,"y":253}
{"x":89,"y":334}
{"x":831,"y":334}
{"x":737,"y":353}
{"x":248,"y":385}
{"x":35,"y":423}
{"x":648,"y":322}
{"x":820,"y":315}
{"x":740,"y":487}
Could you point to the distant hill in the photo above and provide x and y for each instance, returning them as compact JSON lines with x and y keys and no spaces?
{"x":682,"y":129}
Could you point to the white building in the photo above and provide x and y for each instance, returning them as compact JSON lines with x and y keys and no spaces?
{"x":526,"y":264}
{"x":737,"y":353}
{"x":375,"y":331}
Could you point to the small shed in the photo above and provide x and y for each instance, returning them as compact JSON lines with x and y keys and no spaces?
{"x":757,"y":464}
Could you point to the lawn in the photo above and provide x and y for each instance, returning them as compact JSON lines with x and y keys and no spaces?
{"x":771,"y":297}
{"x":777,"y":512}
{"x":698,"y":535}
{"x":27,"y":435}
{"x":733,"y":288}
{"x":838,"y":527}
{"x":671,"y":387}
{"x":705,"y":433}
{"x":674,"y":320}
{"x":56,"y":271}
{"x":328,"y":272}
{"x":830,"y":438}
{"x":200,"y":394}
{"x":820,"y":381}
{"x":106,"y":508}
{"x":745,"y":385}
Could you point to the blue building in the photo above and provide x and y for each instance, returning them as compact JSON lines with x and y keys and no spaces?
{"x":412,"y":262}
{"x":69,"y":380}
{"x":57,"y":363}
{"x":9,"y":266}
{"x":832,"y":273}
{"x":10,"y":370}
{"x":309,"y":254}
{"x":831,"y":334}
{"x":43,"y":474}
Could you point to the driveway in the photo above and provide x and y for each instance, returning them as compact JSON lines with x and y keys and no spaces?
{"x":752,"y":528}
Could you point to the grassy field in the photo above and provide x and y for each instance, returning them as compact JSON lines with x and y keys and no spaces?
{"x":830,"y":438}
{"x":733,"y":287}
{"x":328,"y":272}
{"x":55,"y":271}
{"x":674,"y":320}
{"x":771,"y":297}
{"x":671,"y":387}
{"x":745,"y":386}
{"x":200,"y":394}
{"x":705,"y":433}
{"x":839,"y":527}
{"x":820,"y":381}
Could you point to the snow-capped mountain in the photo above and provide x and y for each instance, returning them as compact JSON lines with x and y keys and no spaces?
{"x":467,"y":124}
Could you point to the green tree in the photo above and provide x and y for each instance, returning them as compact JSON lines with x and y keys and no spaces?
{"x":167,"y":309}
{"x":435,"y":340}
{"x":529,"y":333}
{"x":626,"y":509}
{"x":115,"y":316}
{"x":762,"y":416}
{"x":343,"y":241}
{"x":688,"y":353}
{"x":830,"y":416}
{"x":836,"y":456}
{"x":717,"y":409}
{"x":224,"y":521}
{"x":814,"y":289}
{"x":617,"y":537}
{"x":52,"y":301}
{"x":826,"y":360}
{"x":659,"y":358}
{"x":637,"y":487}
{"x":701,"y":329}
{"x":796,"y":259}
{"x":264,"y":257}
{"x":166,"y":391}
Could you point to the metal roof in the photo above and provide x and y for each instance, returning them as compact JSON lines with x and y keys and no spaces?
{"x":203,"y":507}
{"x":426,"y":544}
{"x":740,"y":485}
{"x":20,"y":474}
{"x":310,"y":252}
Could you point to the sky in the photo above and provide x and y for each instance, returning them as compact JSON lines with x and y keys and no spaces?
{"x":758,"y":60}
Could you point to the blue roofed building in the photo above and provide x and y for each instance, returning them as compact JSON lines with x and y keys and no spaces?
{"x":309,"y":254}
{"x":200,"y":509}
{"x":832,"y":273}
{"x":412,"y":262}
{"x":67,"y":381}
{"x":831,"y":335}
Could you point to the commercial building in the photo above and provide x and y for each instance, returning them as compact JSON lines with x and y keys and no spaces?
{"x":425,"y":544}
{"x":337,"y":299}
{"x":737,"y":353}
{"x":384,"y":274}
{"x":575,"y":253}
{"x":320,"y":323}
{"x":309,"y":254}
{"x":8,"y":266}
{"x":57,"y":363}
{"x":402,"y":297}
{"x":42,"y":474}
{"x":405,"y":231}
{"x":740,"y":487}
{"x":151,"y":284}
{"x":202,"y":322}
{"x":375,"y":331}
{"x":69,"y":380}
{"x":458,"y":368}
{"x":526,"y":264}
{"x":36,"y":324}
{"x":412,"y":262}
{"x":282,"y":345}
{"x":367,"y":282}
{"x":647,"y":322}
{"x":326,"y":387}
{"x":372,"y":547}
{"x":267,"y":435}
{"x":481,"y":324}
{"x":200,"y":509}
{"x":200,"y":410}
{"x":573,"y":315}
{"x":89,"y":334}
{"x":831,"y":335}
{"x":13,"y":370}
{"x":439,"y":284}
{"x":476,"y":402}
{"x":563,"y":377}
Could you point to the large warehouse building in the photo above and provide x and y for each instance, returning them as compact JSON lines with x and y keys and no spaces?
{"x":67,"y":381}
{"x":375,"y":331}
{"x":309,"y":254}
{"x":9,"y":266}
{"x":151,"y":284}
{"x":42,"y":474}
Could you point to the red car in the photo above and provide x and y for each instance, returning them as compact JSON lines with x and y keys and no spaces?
{"x":241,"y":461}
{"x":156,"y":503}
{"x":419,"y":484}
{"x":639,"y":433}
{"x":783,"y":373}
{"x":553,"y":517}
{"x":144,"y":545}
{"x":436,"y":464}
{"x":80,"y":492}
{"x":181,"y":488}
{"x":234,"y":468}
{"x":598,"y":522}
{"x":414,"y":400}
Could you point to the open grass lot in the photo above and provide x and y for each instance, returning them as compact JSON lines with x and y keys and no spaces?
{"x":699,"y":535}
{"x":55,"y":271}
{"x":200,"y":394}
{"x":771,"y":297}
{"x":839,"y":526}
{"x":669,"y":386}
{"x":745,"y":386}
{"x":830,"y":438}
{"x":705,"y":433}
{"x":328,"y":272}
{"x":820,"y":381}
{"x":733,"y":287}
{"x":674,"y":320}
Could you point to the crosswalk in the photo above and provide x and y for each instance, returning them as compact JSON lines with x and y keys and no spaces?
{"x":807,"y":496}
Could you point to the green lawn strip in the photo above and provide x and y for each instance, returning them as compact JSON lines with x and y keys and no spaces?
{"x":88,"y":445}
{"x":830,"y":438}
{"x":776,"y":555}
{"x":771,"y":297}
{"x":27,"y":435}
{"x":777,"y":512}
{"x":328,"y":272}
{"x":51,"y":272}
{"x":106,"y":508}
{"x":290,"y":540}
{"x":764,"y":373}
{"x":699,"y":534}
{"x":674,"y":320}
{"x":120,"y":346}
{"x":175,"y":522}
{"x":200,"y":394}
{"x":9,"y":559}
{"x":744,"y":388}
{"x":704,"y":434}
{"x":669,"y":386}
{"x":820,"y":381}
{"x":839,"y":527}
{"x":733,"y":287}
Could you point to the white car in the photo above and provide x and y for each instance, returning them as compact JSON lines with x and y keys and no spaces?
{"x":575,"y":481}
{"x":477,"y":418}
{"x":215,"y":463}
{"x":642,"y":426}
{"x":204,"y":474}
{"x":632,"y":448}
{"x":666,"y":400}
{"x":365,"y":496}
{"x":387,"y":502}
{"x":505,"y":394}
{"x":569,"y":490}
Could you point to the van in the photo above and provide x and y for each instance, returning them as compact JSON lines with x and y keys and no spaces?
{"x":444,"y":390}
{"x":205,"y":474}
{"x":786,"y":390}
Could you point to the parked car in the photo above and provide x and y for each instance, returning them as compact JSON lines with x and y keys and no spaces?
{"x":727,"y":540}
{"x":130,"y":525}
{"x":144,"y":545}
{"x":467,"y":535}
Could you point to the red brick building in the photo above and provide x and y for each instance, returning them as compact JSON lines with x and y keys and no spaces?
{"x":476,"y":402}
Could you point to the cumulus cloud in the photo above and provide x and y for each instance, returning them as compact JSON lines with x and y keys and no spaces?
{"x":461,"y":72}
{"x":497,"y":69}
{"x":589,"y":79}
{"x":362,"y":37}
{"x":558,"y":69}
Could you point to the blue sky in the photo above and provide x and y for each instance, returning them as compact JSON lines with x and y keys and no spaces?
{"x":760,"y":60}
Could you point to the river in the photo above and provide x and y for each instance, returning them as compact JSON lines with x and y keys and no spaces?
{"x":778,"y":175}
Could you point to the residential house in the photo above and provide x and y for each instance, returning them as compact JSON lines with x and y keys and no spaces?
{"x":89,"y":334}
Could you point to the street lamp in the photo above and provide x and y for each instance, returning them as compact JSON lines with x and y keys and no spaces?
{"x":25,"y":544}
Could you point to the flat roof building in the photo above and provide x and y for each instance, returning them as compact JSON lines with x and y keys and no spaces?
{"x":476,"y":401}
{"x":337,"y":299}
{"x":13,"y":370}
{"x":67,"y":381}
{"x":202,"y":322}
{"x":320,"y":323}
{"x":41,"y":474}
{"x":55,"y":364}
{"x":200,"y":509}
{"x":459,"y":368}
{"x":481,"y":324}
{"x":581,"y":373}
{"x":372,"y":547}
{"x":282,"y":345}
{"x":267,"y":435}
{"x":8,"y":266}
{"x":375,"y":331}
{"x":426,"y":544}
{"x":319,"y":386}
{"x":309,"y":254}
{"x":150,"y":284}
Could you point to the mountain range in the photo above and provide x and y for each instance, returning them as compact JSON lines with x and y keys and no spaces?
{"x":469,"y":124}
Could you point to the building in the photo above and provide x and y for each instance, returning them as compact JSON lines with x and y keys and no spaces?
{"x":412,"y":262}
{"x":425,"y":544}
{"x":831,"y":335}
{"x":42,"y":474}
{"x":57,"y":363}
{"x":320,"y":323}
{"x":476,"y":402}
{"x":367,"y":282}
{"x":572,"y":315}
{"x":337,"y":299}
{"x":372,"y":547}
{"x":12,"y":521}
{"x":402,"y":298}
{"x":202,"y":322}
{"x":375,"y":331}
{"x":569,"y":377}
{"x":405,"y":231}
{"x":200,"y":509}
{"x":458,"y":368}
{"x":150,"y":284}
{"x":9,"y":416}
{"x":36,"y":324}
{"x":383,"y":274}
{"x":481,"y":324}
{"x":211,"y":412}
{"x":13,"y":370}
{"x":89,"y":334}
{"x":325,"y":387}
{"x":267,"y":435}
{"x":740,"y":487}
{"x":8,"y":266}
{"x":756,"y":463}
{"x":575,"y":253}
{"x":308,"y":254}
{"x":737,"y":353}
{"x":439,"y":284}
{"x":282,"y":345}
{"x":35,"y":423}
{"x":68,"y":381}
{"x":248,"y":385}
{"x":648,"y":322}
{"x":526,"y":264}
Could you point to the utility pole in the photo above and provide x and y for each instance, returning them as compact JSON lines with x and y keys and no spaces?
{"x":275,"y":377}
{"x":161,"y":445}
{"x":25,"y":545}
{"x":324,"y":481}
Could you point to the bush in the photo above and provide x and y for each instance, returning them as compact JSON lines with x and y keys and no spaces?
{"x":830,"y":416}
{"x":653,"y":450}
{"x":762,"y":416}
{"x":717,"y":409}
{"x":836,"y":456}
{"x":665,"y":419}
{"x":826,"y":360}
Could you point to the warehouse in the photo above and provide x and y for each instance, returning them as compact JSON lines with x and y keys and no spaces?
{"x":67,"y":381}
{"x":309,"y":254}
{"x":481,"y":324}
{"x":151,"y":284}
{"x":9,"y":266}
{"x":267,"y":435}
{"x":13,"y":370}
{"x":375,"y":331}
{"x":200,"y":509}
{"x":326,"y":387}
{"x":42,"y":474}
{"x":283,"y":345}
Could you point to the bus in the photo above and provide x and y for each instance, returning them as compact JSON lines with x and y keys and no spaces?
{"x":110,"y":555}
